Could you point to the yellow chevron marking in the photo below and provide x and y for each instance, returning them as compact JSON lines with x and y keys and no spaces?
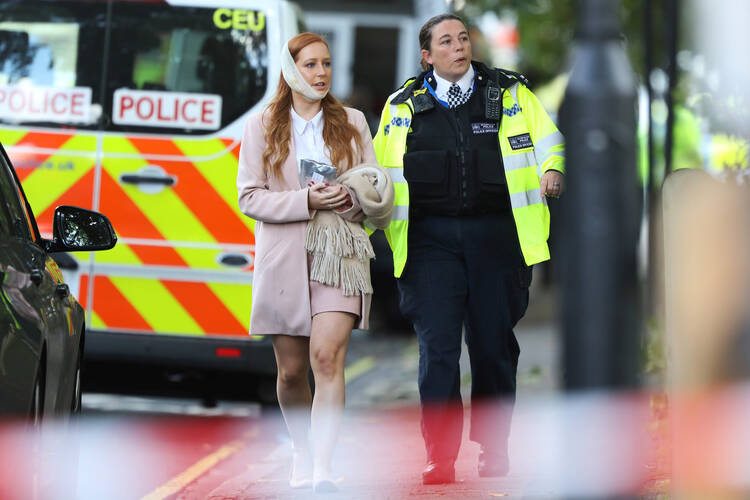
{"x":120,"y":254}
{"x":82,"y":258}
{"x":200,"y":258}
{"x":96,"y":321}
{"x":11,"y":137}
{"x":80,"y":143}
{"x":236,"y":298}
{"x":157,"y":306}
{"x":56,"y":175}
{"x":165,"y":210}
{"x":221,"y":172}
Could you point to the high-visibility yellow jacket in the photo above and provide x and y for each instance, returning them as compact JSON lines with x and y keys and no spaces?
{"x":727,"y":152}
{"x":522,"y":114}
{"x":693,"y":147}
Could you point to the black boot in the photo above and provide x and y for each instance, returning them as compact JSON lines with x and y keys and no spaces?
{"x":493,"y":463}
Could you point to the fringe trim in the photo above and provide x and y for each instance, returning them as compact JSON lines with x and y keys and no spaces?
{"x":341,"y":254}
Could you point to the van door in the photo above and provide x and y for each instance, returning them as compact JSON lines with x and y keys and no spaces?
{"x":180,"y":79}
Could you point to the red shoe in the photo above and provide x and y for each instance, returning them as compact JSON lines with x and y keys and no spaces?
{"x":438,"y":473}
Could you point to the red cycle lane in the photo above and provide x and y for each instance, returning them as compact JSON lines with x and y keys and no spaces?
{"x":590,"y":445}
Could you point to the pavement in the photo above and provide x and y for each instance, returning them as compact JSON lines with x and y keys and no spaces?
{"x":587,"y":445}
{"x":137,"y":447}
{"x":380,"y":454}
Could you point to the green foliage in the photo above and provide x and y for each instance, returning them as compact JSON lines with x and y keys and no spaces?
{"x":547,"y":29}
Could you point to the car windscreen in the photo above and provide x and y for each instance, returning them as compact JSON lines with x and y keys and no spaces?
{"x":183,"y":69}
{"x":51,"y":62}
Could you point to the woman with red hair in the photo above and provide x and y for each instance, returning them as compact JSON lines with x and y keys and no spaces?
{"x":310,"y":322}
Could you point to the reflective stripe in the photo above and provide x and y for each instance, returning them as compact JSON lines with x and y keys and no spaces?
{"x":514,"y":92}
{"x":400,"y":212}
{"x":121,"y":155}
{"x":227,"y":247}
{"x":543,"y":145}
{"x":31,"y":150}
{"x":519,"y":160}
{"x":396,"y":173}
{"x":526,"y":198}
{"x":173,"y":273}
{"x":551,"y":154}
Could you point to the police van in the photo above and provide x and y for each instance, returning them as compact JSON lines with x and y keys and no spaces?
{"x":136,"y":109}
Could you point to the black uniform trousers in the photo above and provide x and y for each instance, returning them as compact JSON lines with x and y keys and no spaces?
{"x":465,"y":271}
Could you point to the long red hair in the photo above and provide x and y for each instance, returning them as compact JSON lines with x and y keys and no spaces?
{"x":338,"y":133}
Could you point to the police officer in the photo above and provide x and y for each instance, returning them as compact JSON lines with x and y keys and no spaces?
{"x":472,"y":154}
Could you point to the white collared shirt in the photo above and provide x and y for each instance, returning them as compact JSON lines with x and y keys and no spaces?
{"x":442,"y":85}
{"x":308,"y":138}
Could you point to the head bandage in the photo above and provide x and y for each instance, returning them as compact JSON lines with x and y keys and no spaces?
{"x":294,"y":78}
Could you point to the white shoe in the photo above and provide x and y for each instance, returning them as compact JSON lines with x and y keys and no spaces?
{"x":301,"y":474}
{"x":324,"y":483}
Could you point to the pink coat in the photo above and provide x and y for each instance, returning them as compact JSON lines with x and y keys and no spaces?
{"x":281,"y":294}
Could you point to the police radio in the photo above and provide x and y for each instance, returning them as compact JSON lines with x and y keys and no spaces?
{"x":492,"y":104}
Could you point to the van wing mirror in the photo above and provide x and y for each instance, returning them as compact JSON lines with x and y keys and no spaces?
{"x":75,"y":229}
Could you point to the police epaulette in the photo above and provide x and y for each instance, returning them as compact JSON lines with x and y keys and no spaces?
{"x":513,"y":75}
{"x":408,"y":88}
{"x":403,"y":94}
{"x":408,"y":81}
{"x":505,"y":78}
{"x":422,"y":101}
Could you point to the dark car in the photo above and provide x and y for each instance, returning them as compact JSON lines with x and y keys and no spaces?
{"x":41,"y":323}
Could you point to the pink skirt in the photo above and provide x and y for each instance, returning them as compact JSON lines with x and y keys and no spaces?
{"x":325,"y":298}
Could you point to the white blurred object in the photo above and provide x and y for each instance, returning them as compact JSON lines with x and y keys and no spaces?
{"x":502,"y":36}
{"x":723,"y":37}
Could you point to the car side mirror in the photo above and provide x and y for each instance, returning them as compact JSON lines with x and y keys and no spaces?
{"x":75,"y":229}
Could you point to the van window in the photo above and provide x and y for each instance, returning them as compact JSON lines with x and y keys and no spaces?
{"x":51,"y":62}
{"x":183,"y":69}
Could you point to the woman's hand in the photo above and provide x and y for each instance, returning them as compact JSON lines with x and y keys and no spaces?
{"x":321,"y":196}
{"x":347,"y":203}
{"x":552,"y":184}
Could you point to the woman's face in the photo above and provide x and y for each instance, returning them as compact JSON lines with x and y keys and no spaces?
{"x":314,"y":63}
{"x":450,"y":50}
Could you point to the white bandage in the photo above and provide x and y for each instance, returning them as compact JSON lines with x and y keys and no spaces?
{"x":294,"y":78}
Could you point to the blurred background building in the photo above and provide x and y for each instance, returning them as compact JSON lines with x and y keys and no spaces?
{"x":374,"y":45}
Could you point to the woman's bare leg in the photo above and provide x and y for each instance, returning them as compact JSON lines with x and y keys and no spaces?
{"x":328,"y":341}
{"x":295,"y":397}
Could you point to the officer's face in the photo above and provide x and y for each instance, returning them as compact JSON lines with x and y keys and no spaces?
{"x":314,"y":63}
{"x":450,"y":50}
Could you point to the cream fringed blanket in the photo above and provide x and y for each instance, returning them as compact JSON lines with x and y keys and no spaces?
{"x":341,"y":248}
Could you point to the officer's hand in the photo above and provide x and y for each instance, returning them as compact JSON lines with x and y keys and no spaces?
{"x":552,"y":184}
{"x":323,"y":197}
